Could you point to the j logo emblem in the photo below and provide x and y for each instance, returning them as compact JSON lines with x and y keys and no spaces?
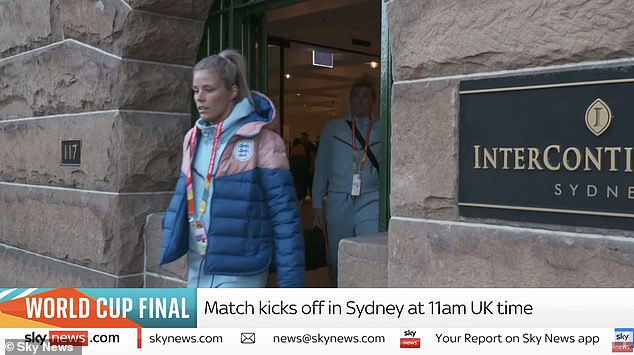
{"x":598,"y":117}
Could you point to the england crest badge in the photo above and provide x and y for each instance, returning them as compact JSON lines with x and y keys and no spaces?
{"x":243,"y":150}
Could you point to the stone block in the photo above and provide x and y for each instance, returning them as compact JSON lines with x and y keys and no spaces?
{"x":98,"y":23}
{"x":98,"y":230}
{"x":363,"y":261}
{"x":112,"y":26}
{"x":153,"y":281}
{"x":130,"y":281}
{"x":153,"y":87}
{"x":70,"y":77}
{"x":23,"y":269}
{"x":24,"y":25}
{"x":65,"y":78}
{"x":439,"y":37}
{"x":161,"y":39}
{"x":148,"y":148}
{"x":112,"y":158}
{"x":152,"y":235}
{"x":424,"y":150}
{"x":426,"y":253}
{"x":196,"y":9}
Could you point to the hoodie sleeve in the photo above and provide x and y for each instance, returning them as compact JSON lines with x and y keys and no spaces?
{"x":277,"y":183}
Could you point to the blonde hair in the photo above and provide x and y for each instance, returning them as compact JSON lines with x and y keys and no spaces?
{"x":230,"y":65}
{"x":364,"y":81}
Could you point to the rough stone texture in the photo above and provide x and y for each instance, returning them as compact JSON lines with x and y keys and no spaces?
{"x":123,"y":150}
{"x":21,"y":269}
{"x":120,"y":151}
{"x":162,"y":39}
{"x":130,"y":281}
{"x":24,"y":25}
{"x":64,"y":78}
{"x":98,"y":23}
{"x":146,"y":86}
{"x":106,"y":24}
{"x":440,"y":37}
{"x":152,"y":235}
{"x":70,"y":77}
{"x":97,"y":230}
{"x":428,"y":253}
{"x":424,"y":171}
{"x":363,"y":261}
{"x":147,"y":150}
{"x":196,"y":9}
{"x":152,"y":281}
{"x":114,"y":27}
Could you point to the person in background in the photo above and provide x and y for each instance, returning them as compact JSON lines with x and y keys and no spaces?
{"x":311,"y":153}
{"x":347,"y":172}
{"x":300,"y":167}
{"x":234,"y":208}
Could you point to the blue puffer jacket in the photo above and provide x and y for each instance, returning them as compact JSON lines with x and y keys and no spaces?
{"x":254,"y":213}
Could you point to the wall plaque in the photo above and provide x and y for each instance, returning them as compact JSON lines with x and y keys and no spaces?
{"x":71,"y":152}
{"x":552,"y":148}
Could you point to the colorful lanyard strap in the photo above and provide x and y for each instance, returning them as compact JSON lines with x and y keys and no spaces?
{"x":190,"y":187}
{"x":365,"y":146}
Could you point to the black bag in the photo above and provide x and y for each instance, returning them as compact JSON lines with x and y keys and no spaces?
{"x":314,"y":248}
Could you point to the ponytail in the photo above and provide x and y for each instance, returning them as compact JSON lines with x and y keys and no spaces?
{"x":230,"y":65}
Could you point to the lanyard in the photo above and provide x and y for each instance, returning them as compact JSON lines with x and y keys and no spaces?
{"x":212,"y":161}
{"x":354,"y":143}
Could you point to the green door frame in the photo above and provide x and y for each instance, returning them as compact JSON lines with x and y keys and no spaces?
{"x":385,"y":107}
{"x":241,"y":25}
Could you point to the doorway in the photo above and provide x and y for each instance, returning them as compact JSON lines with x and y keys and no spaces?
{"x":278,"y":39}
{"x":312,"y":95}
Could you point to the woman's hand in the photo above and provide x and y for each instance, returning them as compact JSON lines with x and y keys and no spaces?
{"x":318,"y":218}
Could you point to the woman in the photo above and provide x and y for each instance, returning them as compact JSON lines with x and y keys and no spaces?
{"x":234,"y":208}
{"x":347,"y":170}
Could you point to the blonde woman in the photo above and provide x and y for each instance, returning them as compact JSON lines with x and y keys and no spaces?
{"x":234,"y":209}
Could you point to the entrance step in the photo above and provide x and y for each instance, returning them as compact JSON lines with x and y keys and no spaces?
{"x":363,"y":261}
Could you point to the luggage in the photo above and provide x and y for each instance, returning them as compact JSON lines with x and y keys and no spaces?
{"x":315,"y":248}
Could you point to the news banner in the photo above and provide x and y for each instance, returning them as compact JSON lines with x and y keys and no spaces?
{"x":316,"y":321}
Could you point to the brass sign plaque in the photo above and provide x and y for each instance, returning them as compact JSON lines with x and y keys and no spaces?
{"x":552,"y":148}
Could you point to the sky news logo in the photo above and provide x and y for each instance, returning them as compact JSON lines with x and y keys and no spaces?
{"x":20,"y":346}
{"x":623,"y":340}
{"x":59,"y":337}
{"x":409,"y":342}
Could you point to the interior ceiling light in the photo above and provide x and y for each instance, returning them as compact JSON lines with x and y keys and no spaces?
{"x":374,"y":65}
{"x":287,"y":76}
{"x":323,"y":59}
{"x":298,"y":94}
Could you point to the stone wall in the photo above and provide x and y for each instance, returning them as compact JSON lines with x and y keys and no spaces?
{"x":116,"y":75}
{"x":434,"y":45}
{"x":171,"y":275}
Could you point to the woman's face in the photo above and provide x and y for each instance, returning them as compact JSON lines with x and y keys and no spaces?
{"x":361,"y":101}
{"x":213,"y":100}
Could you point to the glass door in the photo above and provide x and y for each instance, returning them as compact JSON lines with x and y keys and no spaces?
{"x":241,"y":25}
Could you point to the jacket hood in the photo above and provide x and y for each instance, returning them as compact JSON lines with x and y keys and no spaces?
{"x":265,"y":115}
